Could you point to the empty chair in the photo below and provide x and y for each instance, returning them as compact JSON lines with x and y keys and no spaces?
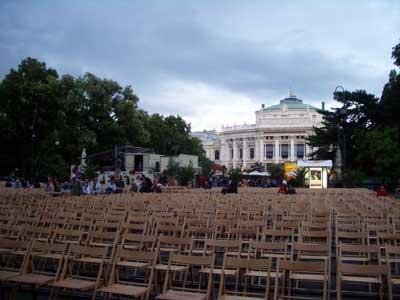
{"x":125,"y":278}
{"x":300,"y":272}
{"x":358,"y":275}
{"x":43,"y":265}
{"x":83,"y":270}
{"x":242,"y":270}
{"x":194,"y":288}
{"x":12,"y":257}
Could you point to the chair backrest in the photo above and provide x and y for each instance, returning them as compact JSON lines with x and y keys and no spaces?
{"x":128,"y":262}
{"x":14,"y":254}
{"x":361,"y":270}
{"x":259,"y":267}
{"x":195,"y":264}
{"x":135,"y":241}
{"x":42,"y":256}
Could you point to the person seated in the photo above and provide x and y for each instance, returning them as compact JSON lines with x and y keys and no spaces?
{"x":111,"y":187}
{"x":382,"y":192}
{"x":282,"y":189}
{"x":291,"y":190}
{"x":231,"y":188}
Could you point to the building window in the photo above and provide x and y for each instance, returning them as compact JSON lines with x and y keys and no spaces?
{"x":284,"y":150}
{"x":269,"y":150}
{"x":241,"y":153}
{"x":216,"y":154}
{"x":300,"y":150}
{"x":251,"y":153}
{"x":231,"y":153}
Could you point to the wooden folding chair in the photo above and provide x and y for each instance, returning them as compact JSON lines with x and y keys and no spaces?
{"x":13,"y":255}
{"x":79,"y":272}
{"x":300,"y":272}
{"x":125,"y":279}
{"x":141,"y":242}
{"x":188,"y":289}
{"x":68,"y":236}
{"x":358,"y":275}
{"x":245,"y":269}
{"x":393,"y":267}
{"x":43,"y":265}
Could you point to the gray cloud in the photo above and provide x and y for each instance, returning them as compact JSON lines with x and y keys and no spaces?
{"x":256,"y":50}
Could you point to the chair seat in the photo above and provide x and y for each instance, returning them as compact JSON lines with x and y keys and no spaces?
{"x":50,"y":255}
{"x":31,"y":278}
{"x":75,"y":284}
{"x":165,"y":249}
{"x":233,"y":297}
{"x":314,"y":257}
{"x":124,"y":289}
{"x":354,"y":258}
{"x":133,"y":264}
{"x":162,"y":267}
{"x":100,"y":244}
{"x":361,"y":279}
{"x":305,"y":276}
{"x":179,"y":295}
{"x":131,"y":247}
{"x":218,"y":271}
{"x":93,"y":260}
{"x":260,"y":274}
{"x":7,"y":274}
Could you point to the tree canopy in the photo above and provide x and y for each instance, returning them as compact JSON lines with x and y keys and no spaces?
{"x":47,"y":119}
{"x":366,"y":129}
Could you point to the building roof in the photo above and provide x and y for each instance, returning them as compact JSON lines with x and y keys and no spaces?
{"x":314,"y":163}
{"x":292,"y":102}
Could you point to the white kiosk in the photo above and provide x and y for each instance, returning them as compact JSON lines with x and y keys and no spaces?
{"x":316,"y":172}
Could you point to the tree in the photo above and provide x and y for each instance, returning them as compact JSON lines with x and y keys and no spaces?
{"x":206,"y":165}
{"x":275,"y":170}
{"x":172,"y":168}
{"x":235,"y":175}
{"x":185,"y":174}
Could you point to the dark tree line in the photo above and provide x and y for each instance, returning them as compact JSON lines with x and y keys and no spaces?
{"x":47,"y":119}
{"x":367,"y":130}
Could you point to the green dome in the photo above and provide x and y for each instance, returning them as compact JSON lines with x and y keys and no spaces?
{"x":291,"y":103}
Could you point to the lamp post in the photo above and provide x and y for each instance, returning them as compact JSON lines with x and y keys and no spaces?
{"x":342,"y":114}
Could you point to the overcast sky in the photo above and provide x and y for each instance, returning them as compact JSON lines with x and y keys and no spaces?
{"x":212,"y":62}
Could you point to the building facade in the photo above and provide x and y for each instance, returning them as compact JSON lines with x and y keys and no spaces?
{"x":278,"y":136}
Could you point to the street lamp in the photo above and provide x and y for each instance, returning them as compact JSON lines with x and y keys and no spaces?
{"x":342,"y":114}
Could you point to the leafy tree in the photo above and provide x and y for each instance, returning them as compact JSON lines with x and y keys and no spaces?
{"x":235,"y":175}
{"x":206,"y":165}
{"x":172,"y":168}
{"x":275,"y":170}
{"x":185,"y":174}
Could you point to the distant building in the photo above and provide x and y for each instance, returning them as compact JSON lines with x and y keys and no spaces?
{"x":131,"y":160}
{"x":277,"y":136}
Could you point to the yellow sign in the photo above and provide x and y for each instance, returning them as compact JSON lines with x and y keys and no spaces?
{"x":289,"y":170}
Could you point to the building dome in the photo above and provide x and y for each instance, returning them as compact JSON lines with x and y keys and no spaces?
{"x":292,"y":102}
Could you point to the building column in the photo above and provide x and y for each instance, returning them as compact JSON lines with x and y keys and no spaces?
{"x":292,"y":149}
{"x":276,"y":152}
{"x":222,"y":153}
{"x":262,"y":152}
{"x":307,"y":151}
{"x":257,"y":151}
{"x":244,"y":153}
{"x":235,"y":154}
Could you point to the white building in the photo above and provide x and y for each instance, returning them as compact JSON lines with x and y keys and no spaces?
{"x":278,"y":136}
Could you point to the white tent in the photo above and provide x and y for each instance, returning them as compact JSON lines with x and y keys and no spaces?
{"x":315,"y":163}
{"x":256,"y":173}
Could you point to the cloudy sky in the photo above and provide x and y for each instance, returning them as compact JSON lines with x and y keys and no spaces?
{"x":212,"y":62}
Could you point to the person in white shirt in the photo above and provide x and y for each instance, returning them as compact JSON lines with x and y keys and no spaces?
{"x":97,"y":187}
{"x":87,"y":188}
